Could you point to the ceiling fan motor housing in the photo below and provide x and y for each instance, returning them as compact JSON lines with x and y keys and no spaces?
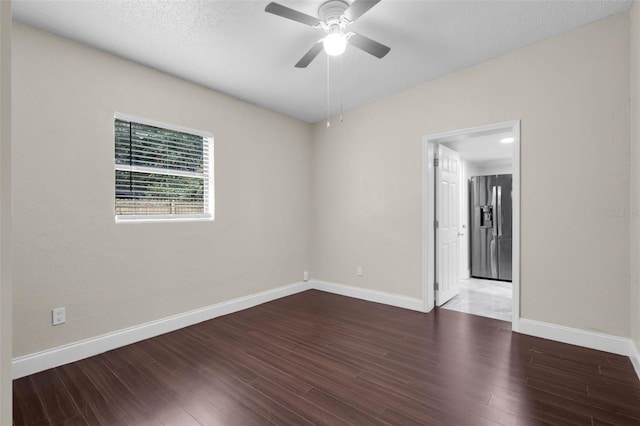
{"x":332,"y":11}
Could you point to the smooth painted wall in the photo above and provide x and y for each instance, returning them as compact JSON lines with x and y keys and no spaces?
{"x":571,"y":93}
{"x":5,"y":215}
{"x":68,"y":250}
{"x":494,"y":169}
{"x":634,"y":213}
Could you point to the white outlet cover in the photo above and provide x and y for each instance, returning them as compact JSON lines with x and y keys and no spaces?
{"x":58,"y":316}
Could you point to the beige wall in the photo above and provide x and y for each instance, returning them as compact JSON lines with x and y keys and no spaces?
{"x":635,"y":173}
{"x":69,"y":252}
{"x":571,"y":93}
{"x":5,"y":213}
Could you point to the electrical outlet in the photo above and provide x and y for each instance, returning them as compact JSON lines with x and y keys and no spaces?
{"x":58,"y":316}
{"x":306,"y":275}
{"x":359,"y":271}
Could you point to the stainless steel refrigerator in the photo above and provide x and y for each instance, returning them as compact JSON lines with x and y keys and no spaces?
{"x":491,"y":226}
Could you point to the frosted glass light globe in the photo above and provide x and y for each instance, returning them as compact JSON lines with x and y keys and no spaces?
{"x":335,"y":43}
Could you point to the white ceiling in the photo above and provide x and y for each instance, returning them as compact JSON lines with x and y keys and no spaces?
{"x":482,"y":148}
{"x":236,"y":48}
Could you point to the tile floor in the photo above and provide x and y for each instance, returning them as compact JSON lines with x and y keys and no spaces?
{"x":486,"y":298}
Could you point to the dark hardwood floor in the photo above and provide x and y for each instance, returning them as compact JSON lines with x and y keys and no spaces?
{"x":318,"y":358}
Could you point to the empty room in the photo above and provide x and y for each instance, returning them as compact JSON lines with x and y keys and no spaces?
{"x":345,"y":212}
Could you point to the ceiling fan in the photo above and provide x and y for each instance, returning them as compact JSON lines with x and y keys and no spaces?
{"x":334,"y":17}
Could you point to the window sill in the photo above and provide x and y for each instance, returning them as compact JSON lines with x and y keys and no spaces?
{"x":164,"y":219}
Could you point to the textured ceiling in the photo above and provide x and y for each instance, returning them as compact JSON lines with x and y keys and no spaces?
{"x":236,"y":48}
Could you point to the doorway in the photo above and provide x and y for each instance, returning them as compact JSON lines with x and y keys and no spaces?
{"x":453,"y":161}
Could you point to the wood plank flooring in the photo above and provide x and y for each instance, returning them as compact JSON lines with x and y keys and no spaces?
{"x":319,"y":358}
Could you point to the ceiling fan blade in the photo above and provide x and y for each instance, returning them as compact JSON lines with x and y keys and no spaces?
{"x":359,"y":8}
{"x":370,"y":46}
{"x":294,"y":15}
{"x":309,"y":56}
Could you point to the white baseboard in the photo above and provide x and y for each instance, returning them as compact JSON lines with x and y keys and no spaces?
{"x":635,"y":358}
{"x":370,"y":295}
{"x":575,"y":336}
{"x":33,"y":363}
{"x":584,"y":338}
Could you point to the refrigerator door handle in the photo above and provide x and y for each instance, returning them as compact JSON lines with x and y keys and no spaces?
{"x":499,"y":211}
{"x":494,"y":210}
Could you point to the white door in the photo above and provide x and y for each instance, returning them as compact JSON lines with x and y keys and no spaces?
{"x":447,"y":225}
{"x":463,"y":241}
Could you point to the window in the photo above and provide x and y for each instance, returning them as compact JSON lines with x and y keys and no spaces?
{"x":163,"y":172}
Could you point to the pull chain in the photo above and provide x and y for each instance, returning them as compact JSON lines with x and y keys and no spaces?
{"x":328,"y":90}
{"x":341,"y":87}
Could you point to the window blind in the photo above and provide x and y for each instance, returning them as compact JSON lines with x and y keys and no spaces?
{"x":160,"y":172}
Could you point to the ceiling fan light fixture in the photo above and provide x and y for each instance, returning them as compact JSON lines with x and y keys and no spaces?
{"x":335,"y":43}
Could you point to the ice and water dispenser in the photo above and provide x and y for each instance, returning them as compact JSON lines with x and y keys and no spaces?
{"x":486,"y":216}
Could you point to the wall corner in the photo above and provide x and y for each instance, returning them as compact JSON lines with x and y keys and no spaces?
{"x":6,"y":299}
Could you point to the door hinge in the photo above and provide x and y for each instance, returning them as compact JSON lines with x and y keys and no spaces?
{"x":436,"y":162}
{"x":436,"y":224}
{"x":436,"y":285}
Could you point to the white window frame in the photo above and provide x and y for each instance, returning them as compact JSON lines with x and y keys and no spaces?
{"x":208,"y":181}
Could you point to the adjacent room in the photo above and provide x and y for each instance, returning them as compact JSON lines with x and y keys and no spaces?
{"x":483,"y":225}
{"x":346,"y":212}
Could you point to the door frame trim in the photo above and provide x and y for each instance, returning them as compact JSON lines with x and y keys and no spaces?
{"x":429,"y":143}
